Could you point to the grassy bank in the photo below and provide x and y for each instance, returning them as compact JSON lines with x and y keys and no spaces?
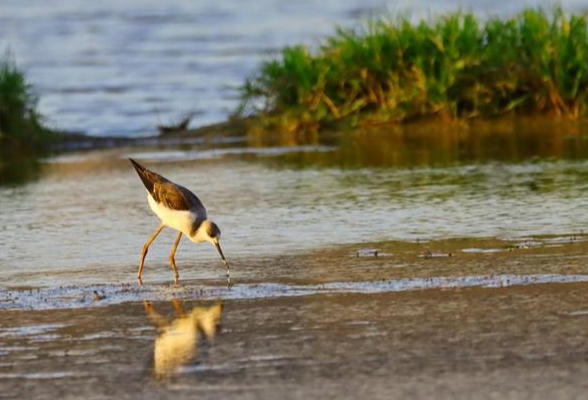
{"x":453,"y":66}
{"x":20,"y":126}
{"x":23,"y":138}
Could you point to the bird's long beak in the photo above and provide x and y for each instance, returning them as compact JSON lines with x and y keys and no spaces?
{"x":220,"y":251}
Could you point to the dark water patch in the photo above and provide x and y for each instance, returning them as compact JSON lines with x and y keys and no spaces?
{"x":18,"y":169}
{"x":427,"y":144}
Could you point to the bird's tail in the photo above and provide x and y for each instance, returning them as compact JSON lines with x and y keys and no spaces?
{"x":148,"y":177}
{"x":137,"y":166}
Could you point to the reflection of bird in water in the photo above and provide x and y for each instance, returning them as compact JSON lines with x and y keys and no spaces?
{"x":180,"y":209}
{"x":177,"y":341}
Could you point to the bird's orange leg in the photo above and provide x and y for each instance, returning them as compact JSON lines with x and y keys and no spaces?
{"x":172,"y":256}
{"x":145,"y":250}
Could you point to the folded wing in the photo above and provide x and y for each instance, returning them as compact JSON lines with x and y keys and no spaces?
{"x":169,"y":194}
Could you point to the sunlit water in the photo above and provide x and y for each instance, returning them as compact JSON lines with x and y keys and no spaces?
{"x":122,"y":67}
{"x":87,"y":217}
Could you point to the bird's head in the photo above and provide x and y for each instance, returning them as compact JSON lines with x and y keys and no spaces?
{"x":211,"y":231}
{"x":212,"y":234}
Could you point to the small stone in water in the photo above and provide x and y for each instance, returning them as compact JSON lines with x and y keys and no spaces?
{"x":98,"y":296}
{"x":367,"y":253}
{"x":429,"y":254}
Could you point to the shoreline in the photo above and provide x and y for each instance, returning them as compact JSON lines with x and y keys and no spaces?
{"x":386,"y":267}
{"x":242,"y":127}
{"x":72,"y":141}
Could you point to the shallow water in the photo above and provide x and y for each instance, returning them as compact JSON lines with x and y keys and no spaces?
{"x":123,"y":67}
{"x":86,"y":218}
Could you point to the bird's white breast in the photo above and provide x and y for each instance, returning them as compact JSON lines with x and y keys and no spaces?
{"x":178,"y":220}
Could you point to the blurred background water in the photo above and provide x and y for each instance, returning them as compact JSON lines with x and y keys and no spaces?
{"x":121,"y":67}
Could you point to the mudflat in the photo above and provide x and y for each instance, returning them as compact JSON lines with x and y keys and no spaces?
{"x":452,"y":332}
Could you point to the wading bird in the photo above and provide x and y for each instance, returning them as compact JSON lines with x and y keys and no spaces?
{"x":179,"y":209}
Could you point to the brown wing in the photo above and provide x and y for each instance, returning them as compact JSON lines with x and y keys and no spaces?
{"x":177,"y":197}
{"x":169,"y":194}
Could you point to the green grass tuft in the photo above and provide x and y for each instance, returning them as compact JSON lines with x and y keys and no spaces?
{"x":23,"y":138}
{"x":20,"y":126}
{"x":454,"y":66}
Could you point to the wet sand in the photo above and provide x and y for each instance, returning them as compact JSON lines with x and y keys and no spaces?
{"x":524,"y":342}
{"x":505,"y":337}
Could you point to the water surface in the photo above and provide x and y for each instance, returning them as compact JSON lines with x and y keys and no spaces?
{"x":472,"y":343}
{"x":87,"y":217}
